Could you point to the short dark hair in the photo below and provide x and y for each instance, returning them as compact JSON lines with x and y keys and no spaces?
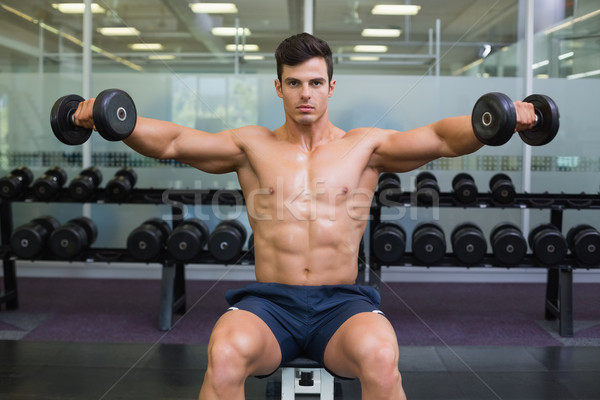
{"x":301,"y":47}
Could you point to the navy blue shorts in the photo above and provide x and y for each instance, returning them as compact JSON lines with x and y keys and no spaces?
{"x":304,"y":318}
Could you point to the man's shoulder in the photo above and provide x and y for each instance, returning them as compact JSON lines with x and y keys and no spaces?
{"x":252,"y":130}
{"x":368,"y":131}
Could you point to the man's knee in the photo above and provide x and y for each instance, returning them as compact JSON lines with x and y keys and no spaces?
{"x":378,"y":364}
{"x":228,"y":358}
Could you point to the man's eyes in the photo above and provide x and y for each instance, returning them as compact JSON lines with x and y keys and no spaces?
{"x":314,"y":83}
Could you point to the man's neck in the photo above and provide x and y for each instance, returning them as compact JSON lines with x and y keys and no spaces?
{"x":310,"y":136}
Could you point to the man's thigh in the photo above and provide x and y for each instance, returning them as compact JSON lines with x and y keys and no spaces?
{"x":360,"y":336}
{"x":250,"y":337}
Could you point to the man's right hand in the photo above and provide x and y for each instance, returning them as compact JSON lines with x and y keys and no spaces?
{"x":84,"y":115}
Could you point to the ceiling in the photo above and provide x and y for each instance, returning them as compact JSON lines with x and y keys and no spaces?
{"x":466,"y":25}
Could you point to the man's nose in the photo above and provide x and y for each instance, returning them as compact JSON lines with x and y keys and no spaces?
{"x":305,"y":91}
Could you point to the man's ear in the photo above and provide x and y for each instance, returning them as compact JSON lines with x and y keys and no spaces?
{"x":331,"y":87}
{"x":278,"y":88}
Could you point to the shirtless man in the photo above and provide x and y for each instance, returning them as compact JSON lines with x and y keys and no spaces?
{"x":308,"y":187}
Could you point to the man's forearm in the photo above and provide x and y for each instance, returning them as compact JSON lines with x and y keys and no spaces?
{"x":458,"y":136}
{"x":153,"y":138}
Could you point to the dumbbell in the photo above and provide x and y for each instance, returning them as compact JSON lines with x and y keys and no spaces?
{"x":427,"y":188}
{"x":387,"y":181}
{"x":29,"y":240}
{"x":83,"y":186}
{"x":388,"y":242}
{"x":13,"y":184}
{"x":226,"y":241}
{"x":148,"y":240}
{"x":494,"y":119}
{"x":49,"y":183}
{"x":548,"y":244}
{"x":468,"y":243}
{"x":120,"y":186}
{"x":508,"y":243}
{"x":114,"y":116}
{"x":503,"y":190}
{"x":465,"y":190}
{"x":584,"y":242}
{"x":428,"y":242}
{"x":70,"y":239}
{"x":188,"y":239}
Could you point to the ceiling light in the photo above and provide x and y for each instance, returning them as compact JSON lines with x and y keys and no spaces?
{"x":118,"y":31}
{"x":381,"y":32}
{"x":566,"y":55}
{"x":230,"y":31}
{"x":161,"y":57}
{"x":540,"y":64}
{"x":364,"y":58}
{"x":214,"y":8}
{"x":584,"y":74}
{"x":242,"y":47}
{"x":395,"y":9}
{"x":485,"y":50}
{"x":77,"y":8}
{"x":254,"y":58}
{"x":363,"y":48}
{"x":145,"y":46}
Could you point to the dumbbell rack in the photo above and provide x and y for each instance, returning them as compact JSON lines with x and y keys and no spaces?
{"x":559,"y":282}
{"x":173,"y":294}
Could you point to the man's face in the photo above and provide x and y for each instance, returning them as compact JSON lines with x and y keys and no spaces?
{"x":305,"y":90}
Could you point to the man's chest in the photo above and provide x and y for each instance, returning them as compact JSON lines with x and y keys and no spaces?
{"x":308,"y":184}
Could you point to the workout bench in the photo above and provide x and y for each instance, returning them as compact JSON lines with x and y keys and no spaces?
{"x":305,"y":376}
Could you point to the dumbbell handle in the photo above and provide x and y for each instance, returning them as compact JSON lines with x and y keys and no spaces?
{"x":72,"y":118}
{"x":121,"y":115}
{"x":487,"y":119}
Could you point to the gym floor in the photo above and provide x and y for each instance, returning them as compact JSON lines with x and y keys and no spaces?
{"x":78,"y":371}
{"x":97,"y":339}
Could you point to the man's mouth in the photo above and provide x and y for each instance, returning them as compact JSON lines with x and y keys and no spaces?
{"x":305,"y":108}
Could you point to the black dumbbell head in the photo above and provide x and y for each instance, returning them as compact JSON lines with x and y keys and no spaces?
{"x":584,"y":242}
{"x":388,"y":180}
{"x":146,"y":242}
{"x":12,"y":185}
{"x":115,"y":115}
{"x":188,"y":239}
{"x":503,"y":190}
{"x":29,"y":240}
{"x":425,"y":175}
{"x":119,"y":188}
{"x":49,"y":183}
{"x":548,"y":121}
{"x":62,"y":124}
{"x":389,"y":242}
{"x":226,"y":241}
{"x":94,"y":174}
{"x":69,"y":240}
{"x":128,"y":174}
{"x":427,"y":188}
{"x":84,"y":186}
{"x":494,"y":119}
{"x":89,"y":226}
{"x":464,"y":188}
{"x":508,"y":243}
{"x":468,"y":243}
{"x":428,"y":242}
{"x":548,"y":244}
